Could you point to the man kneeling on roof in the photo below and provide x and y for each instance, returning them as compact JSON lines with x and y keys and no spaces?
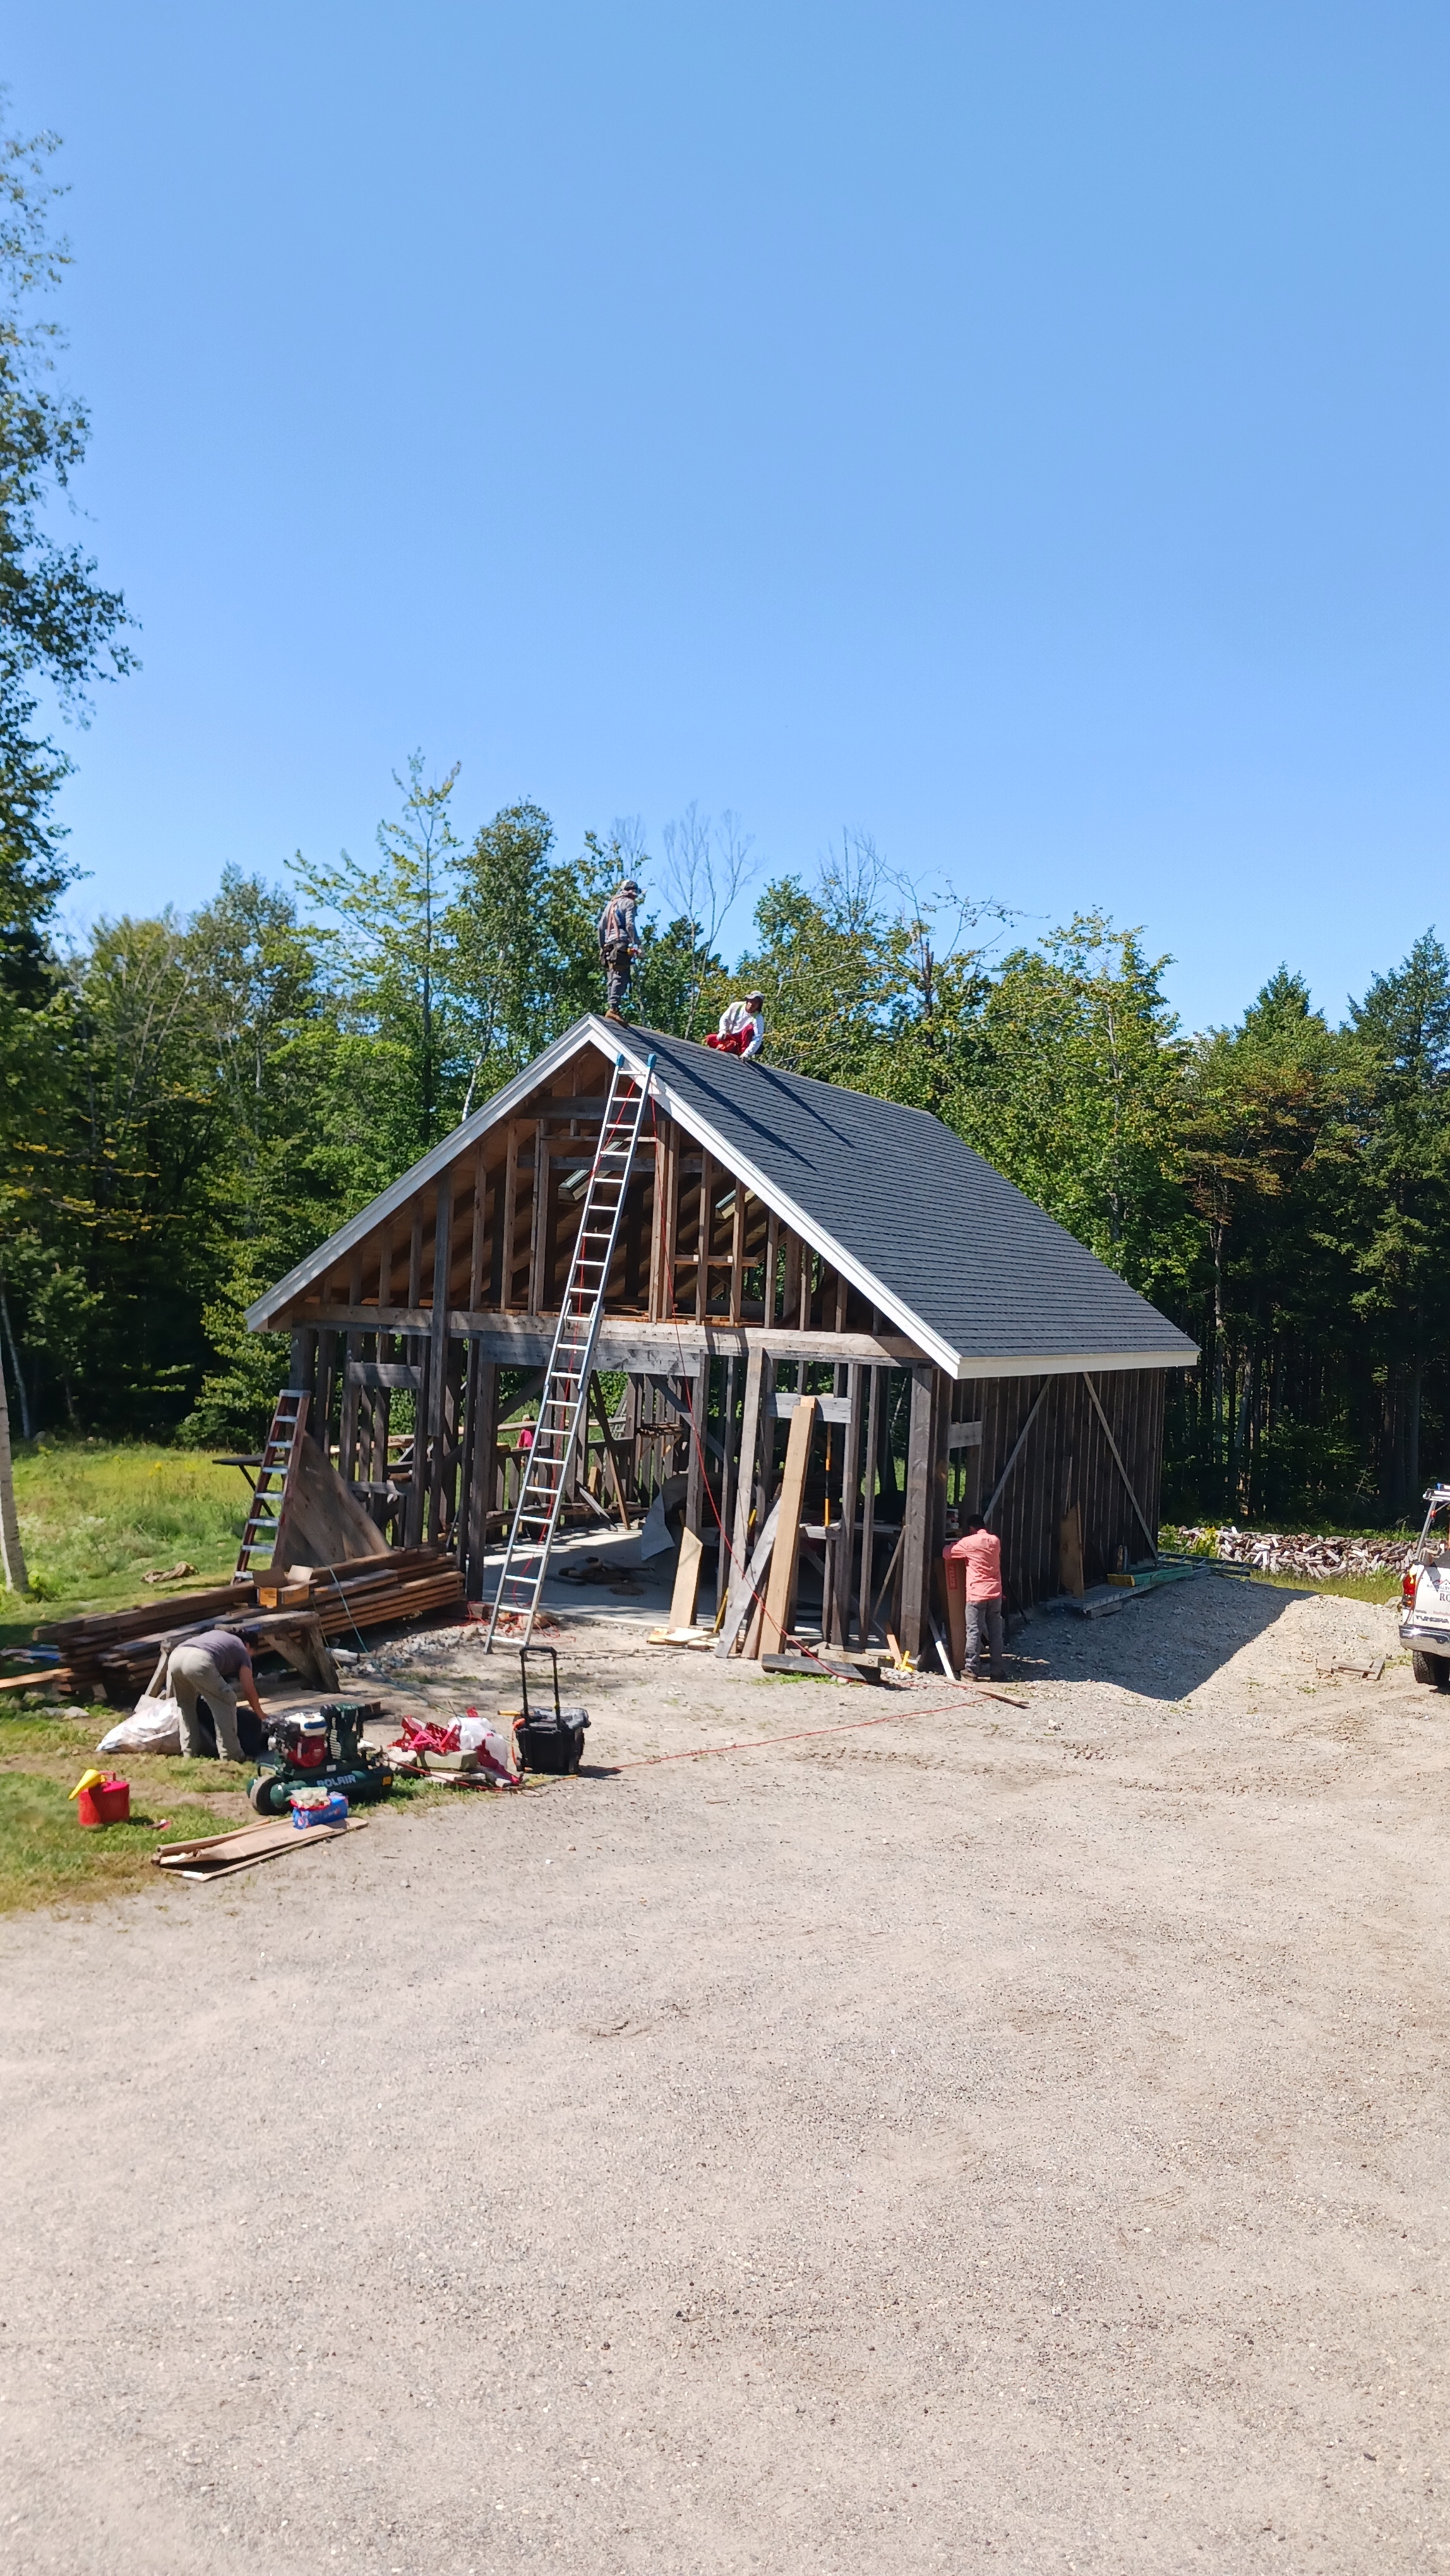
{"x":742,"y":1029}
{"x":211,"y":1667}
{"x":980,"y":1551}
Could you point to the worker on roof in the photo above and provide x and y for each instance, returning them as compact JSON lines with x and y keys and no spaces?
{"x":618,"y":946}
{"x":979,"y":1553}
{"x":742,"y":1029}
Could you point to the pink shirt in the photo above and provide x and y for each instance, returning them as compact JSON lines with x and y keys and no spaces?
{"x":981,"y":1558}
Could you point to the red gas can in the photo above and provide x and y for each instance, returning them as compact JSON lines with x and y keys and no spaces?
{"x":109,"y":1803}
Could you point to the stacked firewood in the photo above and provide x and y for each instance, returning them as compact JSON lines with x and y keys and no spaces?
{"x":1305,"y":1552}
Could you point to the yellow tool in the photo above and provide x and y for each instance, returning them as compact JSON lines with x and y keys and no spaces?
{"x":88,"y":1780}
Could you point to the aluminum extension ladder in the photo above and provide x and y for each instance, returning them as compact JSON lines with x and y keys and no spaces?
{"x":566,"y":1384}
{"x":275,"y":1470}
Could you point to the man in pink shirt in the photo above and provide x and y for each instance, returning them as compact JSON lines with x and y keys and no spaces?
{"x":980,"y":1553}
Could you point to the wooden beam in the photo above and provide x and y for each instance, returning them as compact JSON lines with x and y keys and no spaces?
{"x":478,"y":1260}
{"x":699,"y":1386}
{"x":1018,"y":1445}
{"x":538,"y":1232}
{"x":601,"y":1409}
{"x":746,"y":1585}
{"x":868,"y":1507}
{"x":755,"y":1367}
{"x":519,"y":1339}
{"x":780,"y":1595}
{"x":772,"y":1260}
{"x":850,"y":1494}
{"x":438,"y":1356}
{"x":916,"y":1517}
{"x":737,"y":1253}
{"x":510,"y":1215}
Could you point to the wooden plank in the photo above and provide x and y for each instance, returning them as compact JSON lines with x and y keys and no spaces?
{"x":772,"y":1263}
{"x":390,"y":1373}
{"x":744,"y":1591}
{"x":780,"y":1595}
{"x":1017,"y":1446}
{"x":832,"y":1408}
{"x":687,"y":1581}
{"x":916,"y":1516}
{"x":755,"y":1367}
{"x":438,"y":1354}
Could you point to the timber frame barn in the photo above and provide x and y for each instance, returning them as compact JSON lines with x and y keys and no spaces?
{"x":780,"y":1236}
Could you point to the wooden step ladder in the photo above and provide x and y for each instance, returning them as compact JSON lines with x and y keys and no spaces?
{"x":276,"y":1468}
{"x":566,"y":1383}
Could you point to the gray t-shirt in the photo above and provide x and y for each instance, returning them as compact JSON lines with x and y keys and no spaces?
{"x":227,"y":1652}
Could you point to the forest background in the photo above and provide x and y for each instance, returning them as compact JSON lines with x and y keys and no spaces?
{"x":189,"y":1105}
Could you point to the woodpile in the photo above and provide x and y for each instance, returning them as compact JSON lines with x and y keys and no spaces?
{"x":1305,"y":1552}
{"x":112,"y":1654}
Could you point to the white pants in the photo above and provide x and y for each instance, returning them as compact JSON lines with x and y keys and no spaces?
{"x":194,"y":1676}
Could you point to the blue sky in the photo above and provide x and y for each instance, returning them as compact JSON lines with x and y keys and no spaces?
{"x":1017,"y":432}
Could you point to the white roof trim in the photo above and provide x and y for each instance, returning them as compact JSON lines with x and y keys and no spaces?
{"x":1072,"y":1363}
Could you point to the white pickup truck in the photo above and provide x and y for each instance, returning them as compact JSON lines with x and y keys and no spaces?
{"x":1425,"y":1595}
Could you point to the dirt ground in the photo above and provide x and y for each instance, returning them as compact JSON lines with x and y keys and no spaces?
{"x":993,"y":2136}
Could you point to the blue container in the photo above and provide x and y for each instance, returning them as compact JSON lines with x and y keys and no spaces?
{"x":332,"y":1812}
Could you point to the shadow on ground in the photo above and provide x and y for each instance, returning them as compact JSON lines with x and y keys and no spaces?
{"x":1165,"y":1646}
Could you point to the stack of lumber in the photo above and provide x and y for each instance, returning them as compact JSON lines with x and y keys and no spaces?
{"x":112,"y":1653}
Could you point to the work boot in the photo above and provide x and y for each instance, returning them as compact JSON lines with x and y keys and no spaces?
{"x":616,"y":1016}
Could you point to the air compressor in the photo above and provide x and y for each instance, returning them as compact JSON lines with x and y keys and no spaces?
{"x":321,"y":1748}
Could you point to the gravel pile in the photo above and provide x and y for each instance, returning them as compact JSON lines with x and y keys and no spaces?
{"x":1302,"y":1552}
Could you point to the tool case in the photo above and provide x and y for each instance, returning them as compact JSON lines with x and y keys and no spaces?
{"x":548,"y":1739}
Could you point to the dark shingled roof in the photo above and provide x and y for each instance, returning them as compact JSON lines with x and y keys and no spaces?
{"x":983,"y":1268}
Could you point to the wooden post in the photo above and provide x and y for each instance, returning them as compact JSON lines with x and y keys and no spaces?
{"x":482,"y":1468}
{"x":780,"y":1593}
{"x":303,"y":1362}
{"x":703,"y":1233}
{"x":538,"y":1232}
{"x":772,"y":1259}
{"x":917,"y":1516}
{"x":438,"y":1354}
{"x":737,"y":1254}
{"x":755,"y":1366}
{"x":478,"y":1265}
{"x":850,"y":1489}
{"x":510,"y":1224}
{"x":868,"y":1509}
{"x":698,"y":1388}
{"x":321,"y":1411}
{"x":601,"y":1409}
{"x":729,"y":1475}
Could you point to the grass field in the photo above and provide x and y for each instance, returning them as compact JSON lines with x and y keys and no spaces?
{"x":95,"y":1518}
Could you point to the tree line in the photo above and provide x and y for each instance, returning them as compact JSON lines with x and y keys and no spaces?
{"x":187,"y":1105}
{"x":190,"y":1105}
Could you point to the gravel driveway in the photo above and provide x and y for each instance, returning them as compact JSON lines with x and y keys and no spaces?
{"x":991,"y":2137}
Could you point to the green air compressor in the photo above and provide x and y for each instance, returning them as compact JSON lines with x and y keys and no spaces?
{"x":321,"y":1749}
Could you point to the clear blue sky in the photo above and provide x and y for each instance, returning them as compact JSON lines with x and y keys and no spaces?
{"x":1017,"y":431}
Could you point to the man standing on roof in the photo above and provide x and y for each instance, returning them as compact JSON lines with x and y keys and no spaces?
{"x":742,"y":1029}
{"x":979,"y":1552}
{"x":618,"y":946}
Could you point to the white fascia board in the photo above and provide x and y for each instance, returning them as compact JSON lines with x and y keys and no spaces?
{"x":432,"y":1165}
{"x":1073,"y":1363}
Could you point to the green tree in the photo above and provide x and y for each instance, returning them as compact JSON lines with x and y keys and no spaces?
{"x":59,"y":629}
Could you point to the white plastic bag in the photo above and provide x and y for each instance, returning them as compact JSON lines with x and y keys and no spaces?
{"x":154,"y":1726}
{"x":481,"y":1736}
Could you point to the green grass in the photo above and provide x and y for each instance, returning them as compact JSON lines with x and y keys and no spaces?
{"x":95,"y":1518}
{"x":48,"y":1858}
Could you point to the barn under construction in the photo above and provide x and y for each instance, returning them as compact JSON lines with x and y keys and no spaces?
{"x":775,"y":1239}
